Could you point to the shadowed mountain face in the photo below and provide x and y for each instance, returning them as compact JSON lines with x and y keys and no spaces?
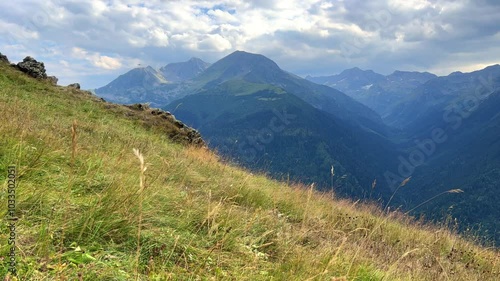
{"x":258,"y":69}
{"x":374,"y":90}
{"x":451,"y":129}
{"x":268,"y":119}
{"x":440,"y":100}
{"x":466,"y":156}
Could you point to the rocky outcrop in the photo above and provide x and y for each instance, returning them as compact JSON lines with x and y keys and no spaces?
{"x":33,"y":68}
{"x":139,"y":106}
{"x":52,"y":79}
{"x":3,"y":58}
{"x":183,"y":133}
{"x":75,"y":86}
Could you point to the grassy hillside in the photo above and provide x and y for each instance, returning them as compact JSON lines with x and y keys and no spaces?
{"x":88,"y":211}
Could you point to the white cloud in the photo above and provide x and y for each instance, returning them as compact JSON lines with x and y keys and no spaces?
{"x":317,"y":36}
{"x":64,"y":63}
{"x":79,"y":53}
{"x":158,"y":37}
{"x":13,"y":32}
{"x":398,"y":5}
{"x":222,"y":16}
{"x":214,"y":42}
{"x":104,"y":62}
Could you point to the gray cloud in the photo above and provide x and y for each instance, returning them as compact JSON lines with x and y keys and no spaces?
{"x":93,"y":41}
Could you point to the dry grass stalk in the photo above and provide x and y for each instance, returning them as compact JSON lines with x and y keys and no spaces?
{"x":143,"y":168}
{"x":73,"y":142}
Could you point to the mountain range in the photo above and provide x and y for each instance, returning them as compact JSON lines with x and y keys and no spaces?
{"x":376,"y":91}
{"x":158,"y":87}
{"x":368,"y":130}
{"x":250,"y":109}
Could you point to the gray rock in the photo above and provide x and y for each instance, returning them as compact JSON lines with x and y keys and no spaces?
{"x":178,"y":124}
{"x":33,"y":68}
{"x":185,"y":134}
{"x":194,"y":137}
{"x":138,"y":106}
{"x":74,"y":85}
{"x":52,"y":79}
{"x":3,"y":58}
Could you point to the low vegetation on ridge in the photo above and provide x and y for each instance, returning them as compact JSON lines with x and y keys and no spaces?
{"x":90,"y":208}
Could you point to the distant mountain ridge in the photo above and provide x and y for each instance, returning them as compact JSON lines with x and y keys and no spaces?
{"x":158,"y":87}
{"x":349,"y":78}
{"x":182,"y":71}
{"x":451,"y":126}
{"x":374,"y":90}
{"x":469,"y":159}
{"x":427,"y":103}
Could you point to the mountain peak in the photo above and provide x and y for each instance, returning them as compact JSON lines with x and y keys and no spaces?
{"x":240,"y":64}
{"x":181,"y":71}
{"x":456,"y":73}
{"x":245,"y":57}
{"x":355,"y":70}
{"x":239,"y":52}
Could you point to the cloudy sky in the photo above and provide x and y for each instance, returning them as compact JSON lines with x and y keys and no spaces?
{"x":94,"y":41}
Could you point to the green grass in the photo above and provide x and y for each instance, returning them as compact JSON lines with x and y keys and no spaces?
{"x":195,"y":218}
{"x":242,"y":88}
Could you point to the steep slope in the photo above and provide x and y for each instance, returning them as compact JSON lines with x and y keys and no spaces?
{"x":469,"y":158}
{"x":82,"y":213}
{"x":462,"y":110}
{"x":136,"y":86}
{"x":385,"y":95}
{"x":258,"y":69}
{"x":436,"y":102}
{"x":269,"y":129}
{"x":182,"y":71}
{"x":449,"y":139}
{"x":238,"y":98}
{"x":374,"y":90}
